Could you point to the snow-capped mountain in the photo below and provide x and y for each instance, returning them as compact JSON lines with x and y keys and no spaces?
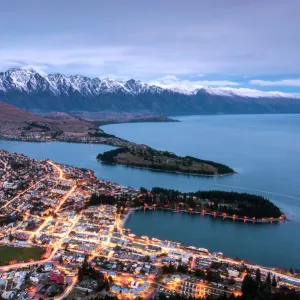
{"x":28,"y":89}
{"x":31,"y":82}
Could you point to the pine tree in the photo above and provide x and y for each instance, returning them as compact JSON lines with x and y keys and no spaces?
{"x":258,"y":276}
{"x":80,"y":274}
{"x":291,"y":271}
{"x":249,"y":286}
{"x":268,"y":279}
{"x":274,"y":282}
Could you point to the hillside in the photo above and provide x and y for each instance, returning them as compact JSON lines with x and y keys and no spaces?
{"x":17,"y":121}
{"x":29,"y":90}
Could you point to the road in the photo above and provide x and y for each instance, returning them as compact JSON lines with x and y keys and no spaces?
{"x":23,"y":192}
{"x":59,"y":243}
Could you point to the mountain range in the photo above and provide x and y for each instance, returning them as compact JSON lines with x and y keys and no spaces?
{"x":29,"y":90}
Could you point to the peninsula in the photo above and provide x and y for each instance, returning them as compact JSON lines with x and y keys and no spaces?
{"x":19,"y":125}
{"x":16,"y":124}
{"x":142,"y":156}
{"x":233,"y":205}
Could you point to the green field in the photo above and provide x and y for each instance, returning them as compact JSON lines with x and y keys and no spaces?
{"x":8,"y":254}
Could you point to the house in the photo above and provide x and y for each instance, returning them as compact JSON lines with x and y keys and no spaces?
{"x":58,"y":278}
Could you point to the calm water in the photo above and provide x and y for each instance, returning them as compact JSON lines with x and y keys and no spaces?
{"x":273,"y":245}
{"x":263,"y":149}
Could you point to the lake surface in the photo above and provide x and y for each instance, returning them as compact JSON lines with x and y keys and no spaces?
{"x":263,"y":149}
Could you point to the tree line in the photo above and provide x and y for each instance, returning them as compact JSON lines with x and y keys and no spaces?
{"x":241,"y":204}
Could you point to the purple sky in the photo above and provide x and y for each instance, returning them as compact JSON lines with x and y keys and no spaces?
{"x":234,"y":43}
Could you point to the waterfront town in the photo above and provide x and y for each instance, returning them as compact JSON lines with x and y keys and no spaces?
{"x":63,"y":236}
{"x":44,"y":136}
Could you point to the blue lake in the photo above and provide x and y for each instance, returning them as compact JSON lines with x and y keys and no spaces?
{"x":263,"y":149}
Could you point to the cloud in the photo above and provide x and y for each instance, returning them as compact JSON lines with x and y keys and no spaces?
{"x":283,"y":82}
{"x":152,"y":38}
{"x":219,"y":87}
{"x":38,"y":68}
{"x":175,"y":83}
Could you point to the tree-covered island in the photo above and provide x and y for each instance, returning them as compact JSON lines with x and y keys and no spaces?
{"x":142,"y":156}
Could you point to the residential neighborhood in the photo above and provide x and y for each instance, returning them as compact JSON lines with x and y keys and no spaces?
{"x":63,"y":236}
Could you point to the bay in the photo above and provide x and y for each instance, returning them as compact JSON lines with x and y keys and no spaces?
{"x":263,"y":149}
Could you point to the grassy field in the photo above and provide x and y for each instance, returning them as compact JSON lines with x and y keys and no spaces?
{"x":8,"y":254}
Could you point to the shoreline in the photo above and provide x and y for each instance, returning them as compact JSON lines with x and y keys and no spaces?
{"x":115,"y":122}
{"x":123,"y":221}
{"x":214,"y":215}
{"x":109,"y":143}
{"x":166,"y":171}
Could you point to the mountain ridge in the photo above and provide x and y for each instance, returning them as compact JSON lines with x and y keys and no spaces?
{"x":29,"y":90}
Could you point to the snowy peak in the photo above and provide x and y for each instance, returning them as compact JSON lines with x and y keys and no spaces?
{"x":31,"y":82}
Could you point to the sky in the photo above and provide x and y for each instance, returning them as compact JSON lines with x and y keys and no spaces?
{"x":220,"y":43}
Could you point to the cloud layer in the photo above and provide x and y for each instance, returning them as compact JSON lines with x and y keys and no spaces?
{"x":152,"y":39}
{"x":173,"y":82}
{"x":283,"y":82}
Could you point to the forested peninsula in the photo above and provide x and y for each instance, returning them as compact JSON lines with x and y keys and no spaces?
{"x":222,"y":203}
{"x":227,"y":205}
{"x":142,"y":156}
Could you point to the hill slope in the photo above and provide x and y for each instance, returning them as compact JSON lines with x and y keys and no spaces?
{"x":14,"y":120}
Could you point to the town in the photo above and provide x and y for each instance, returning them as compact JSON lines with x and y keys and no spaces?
{"x":63,"y":236}
{"x":43,"y":137}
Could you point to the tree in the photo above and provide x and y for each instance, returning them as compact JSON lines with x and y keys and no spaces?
{"x":143,"y":190}
{"x":182,"y":269}
{"x":249,"y":287}
{"x":200,"y":273}
{"x":268,"y":279}
{"x":274,"y":282}
{"x":291,"y":271}
{"x":213,"y":276}
{"x":168,"y":269}
{"x":257,"y":276}
{"x":80,"y":274}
